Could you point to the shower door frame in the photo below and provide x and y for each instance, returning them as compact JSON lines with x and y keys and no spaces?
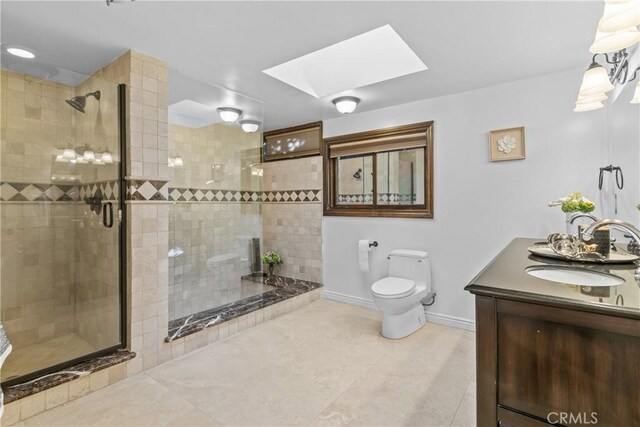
{"x":122,"y":251}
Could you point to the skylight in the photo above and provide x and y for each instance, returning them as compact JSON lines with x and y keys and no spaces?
{"x":369,"y":58}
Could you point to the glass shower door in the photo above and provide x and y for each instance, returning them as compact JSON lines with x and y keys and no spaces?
{"x":60,"y":278}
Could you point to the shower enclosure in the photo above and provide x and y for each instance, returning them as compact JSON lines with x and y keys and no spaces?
{"x":215,"y":221}
{"x":61,"y":208}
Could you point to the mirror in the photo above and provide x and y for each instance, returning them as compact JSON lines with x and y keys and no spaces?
{"x":400,"y":177}
{"x":355,"y":180}
{"x":623,"y":140}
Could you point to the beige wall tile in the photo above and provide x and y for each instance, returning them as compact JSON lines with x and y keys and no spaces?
{"x":57,"y":395}
{"x":79,"y":387}
{"x":32,"y":405}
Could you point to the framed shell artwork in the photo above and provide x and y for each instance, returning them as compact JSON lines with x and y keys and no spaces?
{"x":507,"y":144}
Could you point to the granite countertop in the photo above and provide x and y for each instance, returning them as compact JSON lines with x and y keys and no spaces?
{"x":505,"y":276}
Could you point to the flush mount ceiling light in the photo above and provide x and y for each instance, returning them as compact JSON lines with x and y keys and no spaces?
{"x":250,"y":126}
{"x":346,"y":104}
{"x":373,"y":57}
{"x":229,"y":114}
{"x":19,"y":51}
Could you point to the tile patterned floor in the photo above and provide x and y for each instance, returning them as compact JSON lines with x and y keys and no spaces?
{"x":322,"y":365}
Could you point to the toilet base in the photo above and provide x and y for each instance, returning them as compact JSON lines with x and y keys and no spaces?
{"x":395,"y":326}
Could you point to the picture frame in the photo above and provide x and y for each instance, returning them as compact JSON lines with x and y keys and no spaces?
{"x":507,"y":144}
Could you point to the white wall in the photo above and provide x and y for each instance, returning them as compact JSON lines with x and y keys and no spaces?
{"x":479,"y":206}
{"x":623,"y":135}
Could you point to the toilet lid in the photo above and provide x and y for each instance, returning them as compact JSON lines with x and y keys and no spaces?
{"x":393,"y":287}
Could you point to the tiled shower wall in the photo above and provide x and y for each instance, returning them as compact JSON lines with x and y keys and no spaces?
{"x":37,"y":266}
{"x":96,"y":247}
{"x":59,"y":264}
{"x":209,"y":237}
{"x":294,"y":229}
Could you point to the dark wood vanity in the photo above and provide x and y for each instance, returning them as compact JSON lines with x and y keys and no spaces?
{"x":554,"y":354}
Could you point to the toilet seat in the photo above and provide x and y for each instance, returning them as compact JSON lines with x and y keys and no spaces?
{"x":393,"y":287}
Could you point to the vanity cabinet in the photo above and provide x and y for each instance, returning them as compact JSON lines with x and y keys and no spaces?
{"x":539,"y":364}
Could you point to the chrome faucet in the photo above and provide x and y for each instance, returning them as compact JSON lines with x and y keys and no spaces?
{"x":578,"y":215}
{"x":634,"y":233}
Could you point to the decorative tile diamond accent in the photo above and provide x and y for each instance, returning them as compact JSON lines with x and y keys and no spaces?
{"x":54,"y":192}
{"x":145,"y":190}
{"x":33,"y":192}
{"x":7,"y":191}
{"x":237,"y":196}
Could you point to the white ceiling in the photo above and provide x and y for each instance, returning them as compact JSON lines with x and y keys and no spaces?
{"x":467,"y":45}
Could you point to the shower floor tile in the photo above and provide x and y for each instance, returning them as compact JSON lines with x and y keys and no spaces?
{"x":28,"y":359}
{"x":324,"y":364}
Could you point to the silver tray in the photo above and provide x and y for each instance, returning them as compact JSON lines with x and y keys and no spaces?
{"x":615,"y":257}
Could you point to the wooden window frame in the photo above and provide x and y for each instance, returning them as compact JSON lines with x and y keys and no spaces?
{"x":330,"y":193}
{"x":293,"y":129}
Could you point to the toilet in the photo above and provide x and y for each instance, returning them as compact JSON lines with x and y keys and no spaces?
{"x":399,"y":296}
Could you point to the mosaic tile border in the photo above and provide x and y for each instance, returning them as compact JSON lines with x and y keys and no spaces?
{"x":146,"y":190}
{"x":34,"y":192}
{"x":382,"y":197}
{"x":240,"y":196}
{"x":286,"y":288}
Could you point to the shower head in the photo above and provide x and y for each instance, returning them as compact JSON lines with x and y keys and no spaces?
{"x":358,"y":174}
{"x":78,"y":102}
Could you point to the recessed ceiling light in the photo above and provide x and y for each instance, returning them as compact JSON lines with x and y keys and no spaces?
{"x":372,"y":57}
{"x":229,"y":114}
{"x":250,"y":126}
{"x":346,"y":104}
{"x":20,"y":52}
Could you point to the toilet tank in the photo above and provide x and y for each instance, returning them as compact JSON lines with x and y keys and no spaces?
{"x":412,"y":265}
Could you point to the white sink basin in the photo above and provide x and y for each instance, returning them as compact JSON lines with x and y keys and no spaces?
{"x":574,"y":276}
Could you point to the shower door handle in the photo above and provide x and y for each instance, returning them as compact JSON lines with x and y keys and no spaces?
{"x":108,"y":206}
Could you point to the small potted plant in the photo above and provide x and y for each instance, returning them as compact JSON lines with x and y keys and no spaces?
{"x":574,"y":202}
{"x":271,"y":258}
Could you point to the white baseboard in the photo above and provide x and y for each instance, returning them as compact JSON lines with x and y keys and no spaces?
{"x":348,"y":299}
{"x":456,"y":322}
{"x":441,"y":319}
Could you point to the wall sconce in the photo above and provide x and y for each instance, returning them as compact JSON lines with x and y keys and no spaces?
{"x":229,"y":114}
{"x":89,"y":156}
{"x":176,"y":162}
{"x":346,"y":104}
{"x":616,"y":33}
{"x":596,"y":81}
